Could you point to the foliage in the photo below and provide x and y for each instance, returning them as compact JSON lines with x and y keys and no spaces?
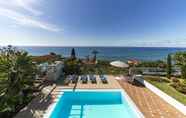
{"x":53,"y":53}
{"x":71,"y":66}
{"x":102,"y":67}
{"x":175,"y":80}
{"x":157,"y":63}
{"x":184,"y":82}
{"x":180,"y":59}
{"x":95,"y":52}
{"x":169,"y":66}
{"x":133,"y":70}
{"x":18,"y":77}
{"x":157,"y":79}
{"x":179,"y":86}
{"x":46,"y":58}
{"x":183,"y":71}
{"x":168,"y":88}
{"x":73,"y":54}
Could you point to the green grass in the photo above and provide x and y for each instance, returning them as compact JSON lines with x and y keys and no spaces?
{"x":165,"y":87}
{"x":3,"y":76}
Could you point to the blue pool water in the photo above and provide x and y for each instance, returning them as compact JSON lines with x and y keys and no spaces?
{"x":93,"y":105}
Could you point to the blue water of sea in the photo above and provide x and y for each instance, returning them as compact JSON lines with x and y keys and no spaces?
{"x":110,"y":53}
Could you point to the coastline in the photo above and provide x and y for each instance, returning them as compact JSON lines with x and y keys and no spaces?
{"x":107,"y":53}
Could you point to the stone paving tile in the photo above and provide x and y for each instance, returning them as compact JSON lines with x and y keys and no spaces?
{"x":151,"y":105}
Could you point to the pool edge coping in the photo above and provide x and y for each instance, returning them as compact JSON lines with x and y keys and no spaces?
{"x":52,"y":106}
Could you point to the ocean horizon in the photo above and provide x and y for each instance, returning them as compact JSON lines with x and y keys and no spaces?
{"x":108,"y":53}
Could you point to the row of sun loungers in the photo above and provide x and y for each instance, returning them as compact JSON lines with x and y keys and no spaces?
{"x":92,"y":78}
{"x":103,"y":78}
{"x":85,"y":78}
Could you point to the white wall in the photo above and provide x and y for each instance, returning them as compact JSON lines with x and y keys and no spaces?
{"x":54,"y":71}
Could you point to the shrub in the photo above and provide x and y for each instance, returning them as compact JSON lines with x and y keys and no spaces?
{"x":175,"y":80}
{"x":169,"y":66}
{"x":183,"y":71}
{"x":156,"y":78}
{"x":180,"y":59}
{"x":181,"y":87}
{"x":175,"y":85}
{"x":184,"y":82}
{"x":19,"y":80}
{"x":157,"y":63}
{"x":71,"y":67}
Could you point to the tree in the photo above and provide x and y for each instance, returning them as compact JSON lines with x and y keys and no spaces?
{"x":87,"y":58}
{"x":53,"y":53}
{"x":73,"y":54}
{"x":71,"y":67}
{"x":19,"y":73}
{"x":95,"y":52}
{"x":169,"y":66}
{"x":180,"y":59}
{"x":158,"y":63}
{"x":183,"y":71}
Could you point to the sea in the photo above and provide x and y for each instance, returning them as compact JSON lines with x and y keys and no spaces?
{"x":108,"y":53}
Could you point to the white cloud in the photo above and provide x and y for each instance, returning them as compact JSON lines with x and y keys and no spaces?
{"x":27,"y":5}
{"x":13,"y":9}
{"x":24,"y":20}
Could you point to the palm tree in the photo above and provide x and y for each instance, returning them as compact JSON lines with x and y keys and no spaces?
{"x":95,"y":52}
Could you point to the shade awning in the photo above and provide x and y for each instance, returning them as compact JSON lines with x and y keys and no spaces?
{"x":119,"y":64}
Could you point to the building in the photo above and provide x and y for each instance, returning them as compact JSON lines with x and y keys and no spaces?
{"x":53,"y":71}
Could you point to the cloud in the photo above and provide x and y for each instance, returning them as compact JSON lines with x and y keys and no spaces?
{"x":15,"y":9}
{"x":27,"y":5}
{"x":24,"y":20}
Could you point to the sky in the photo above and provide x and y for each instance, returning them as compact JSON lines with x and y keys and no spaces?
{"x":141,"y":23}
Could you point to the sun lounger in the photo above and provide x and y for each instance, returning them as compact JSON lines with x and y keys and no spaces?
{"x":103,"y":79}
{"x":84,"y":79}
{"x":81,"y":77}
{"x":74,"y":78}
{"x":92,"y":79}
{"x":68,"y":79}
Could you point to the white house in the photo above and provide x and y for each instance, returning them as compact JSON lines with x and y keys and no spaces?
{"x":54,"y":71}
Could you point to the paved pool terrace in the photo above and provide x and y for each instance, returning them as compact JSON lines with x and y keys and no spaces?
{"x":151,"y":105}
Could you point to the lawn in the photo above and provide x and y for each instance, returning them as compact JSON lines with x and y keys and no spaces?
{"x":164,"y":85}
{"x":3,"y":78}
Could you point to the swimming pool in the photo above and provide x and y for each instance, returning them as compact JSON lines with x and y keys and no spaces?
{"x":94,"y":104}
